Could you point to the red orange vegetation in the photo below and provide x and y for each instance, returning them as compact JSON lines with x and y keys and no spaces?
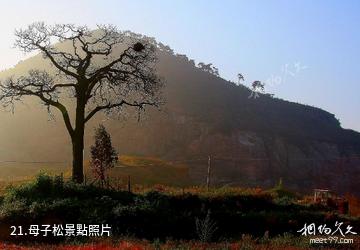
{"x":248,"y":243}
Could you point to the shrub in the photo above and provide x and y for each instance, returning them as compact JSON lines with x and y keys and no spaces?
{"x":153,"y":214}
{"x":284,"y":200}
{"x":14,"y":208}
{"x":205,"y":228}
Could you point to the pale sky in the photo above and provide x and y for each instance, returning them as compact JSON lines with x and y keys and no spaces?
{"x":307,"y":51}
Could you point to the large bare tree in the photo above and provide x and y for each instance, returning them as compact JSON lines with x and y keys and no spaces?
{"x":102,"y":70}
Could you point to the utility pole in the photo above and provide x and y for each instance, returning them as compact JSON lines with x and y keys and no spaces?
{"x":208,"y":173}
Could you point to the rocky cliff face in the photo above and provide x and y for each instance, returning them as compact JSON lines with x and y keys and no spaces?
{"x":252,"y":142}
{"x":248,"y":158}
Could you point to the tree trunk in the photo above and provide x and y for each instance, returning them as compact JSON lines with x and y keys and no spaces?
{"x":77,"y":164}
{"x":78,"y":143}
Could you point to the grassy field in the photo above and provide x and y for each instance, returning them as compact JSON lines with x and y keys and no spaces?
{"x":143,"y":171}
{"x":162,"y":211}
{"x":164,"y":217}
{"x":148,"y":171}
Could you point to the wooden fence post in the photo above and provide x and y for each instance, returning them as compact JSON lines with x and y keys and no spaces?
{"x":208,"y":174}
{"x":129,"y":184}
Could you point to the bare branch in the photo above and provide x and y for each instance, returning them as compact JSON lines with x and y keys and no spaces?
{"x":39,"y":84}
{"x":38,"y":36}
{"x":109,"y":106}
{"x":94,"y":66}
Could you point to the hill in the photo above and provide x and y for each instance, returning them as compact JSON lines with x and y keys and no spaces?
{"x":253,"y":142}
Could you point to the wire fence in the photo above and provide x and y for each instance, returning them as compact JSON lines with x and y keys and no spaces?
{"x":198,"y":159}
{"x":239,"y":159}
{"x":126,"y":183}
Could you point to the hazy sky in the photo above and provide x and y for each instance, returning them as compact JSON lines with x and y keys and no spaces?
{"x":306,"y":51}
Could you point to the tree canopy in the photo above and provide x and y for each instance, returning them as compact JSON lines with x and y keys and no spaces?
{"x":92,"y":71}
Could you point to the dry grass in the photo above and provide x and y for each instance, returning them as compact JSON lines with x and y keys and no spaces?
{"x":248,"y":243}
{"x":146,"y":171}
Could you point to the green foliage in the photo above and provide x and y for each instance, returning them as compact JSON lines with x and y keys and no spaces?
{"x":281,"y":195}
{"x":14,"y":208}
{"x":103,"y":154}
{"x":284,"y":200}
{"x":158,"y":215}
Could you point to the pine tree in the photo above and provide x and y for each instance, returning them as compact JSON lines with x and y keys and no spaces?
{"x":103,"y":155}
